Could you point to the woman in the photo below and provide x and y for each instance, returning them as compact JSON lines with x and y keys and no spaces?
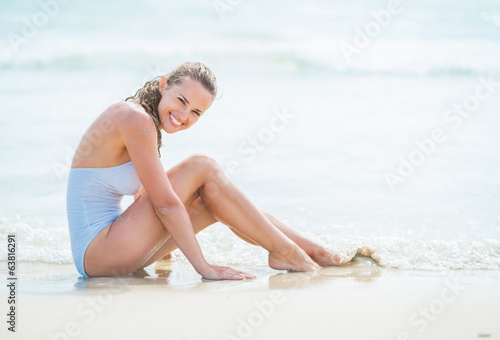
{"x":119,"y":155}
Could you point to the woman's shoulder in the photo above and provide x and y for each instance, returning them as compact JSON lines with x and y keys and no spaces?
{"x":126,"y":109}
{"x":127,"y":113}
{"x":130,"y":117}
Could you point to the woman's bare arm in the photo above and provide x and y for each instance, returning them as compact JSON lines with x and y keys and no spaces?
{"x":139,"y":136}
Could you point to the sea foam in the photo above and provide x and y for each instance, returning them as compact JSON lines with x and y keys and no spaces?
{"x":221,"y":247}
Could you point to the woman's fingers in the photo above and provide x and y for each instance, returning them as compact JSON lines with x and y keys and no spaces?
{"x":247,"y":275}
{"x":226,"y":273}
{"x":240,"y":274}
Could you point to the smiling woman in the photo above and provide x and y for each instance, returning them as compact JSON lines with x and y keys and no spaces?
{"x":150,"y":96}
{"x":119,"y":155}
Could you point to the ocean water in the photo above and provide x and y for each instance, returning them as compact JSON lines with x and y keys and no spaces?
{"x":371,"y":127}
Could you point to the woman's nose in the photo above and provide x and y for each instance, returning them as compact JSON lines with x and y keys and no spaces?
{"x":183,"y":113}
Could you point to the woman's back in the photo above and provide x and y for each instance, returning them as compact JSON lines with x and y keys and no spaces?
{"x":102,"y":145}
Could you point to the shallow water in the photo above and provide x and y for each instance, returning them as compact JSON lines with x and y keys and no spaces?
{"x":354,"y":163}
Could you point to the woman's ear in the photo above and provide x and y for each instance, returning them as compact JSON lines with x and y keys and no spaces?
{"x":163,"y":84}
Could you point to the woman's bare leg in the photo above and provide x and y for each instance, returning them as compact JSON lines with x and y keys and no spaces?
{"x":138,"y":235}
{"x":226,"y":203}
{"x":201,"y":218}
{"x":321,"y":255}
{"x":229,"y":205}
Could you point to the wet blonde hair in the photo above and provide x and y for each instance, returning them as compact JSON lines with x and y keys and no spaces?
{"x":149,"y":95}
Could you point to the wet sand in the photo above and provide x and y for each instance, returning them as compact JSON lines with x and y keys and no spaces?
{"x":168,"y":300}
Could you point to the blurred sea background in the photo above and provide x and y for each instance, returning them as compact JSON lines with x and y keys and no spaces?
{"x":371,"y":126}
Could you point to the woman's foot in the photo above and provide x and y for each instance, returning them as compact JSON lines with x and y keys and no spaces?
{"x":327,"y":257}
{"x":294,"y":259}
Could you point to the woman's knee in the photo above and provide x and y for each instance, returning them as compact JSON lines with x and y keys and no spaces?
{"x":207,"y":167}
{"x":214,"y":177}
{"x":203,"y":162}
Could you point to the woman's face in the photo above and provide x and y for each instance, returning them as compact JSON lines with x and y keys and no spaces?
{"x":182,"y":105}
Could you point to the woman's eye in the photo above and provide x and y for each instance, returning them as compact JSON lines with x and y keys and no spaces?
{"x":182,"y":101}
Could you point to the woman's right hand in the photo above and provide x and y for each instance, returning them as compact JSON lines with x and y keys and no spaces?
{"x":224,"y":273}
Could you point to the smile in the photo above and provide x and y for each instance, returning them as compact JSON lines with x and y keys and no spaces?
{"x":174,"y":121}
